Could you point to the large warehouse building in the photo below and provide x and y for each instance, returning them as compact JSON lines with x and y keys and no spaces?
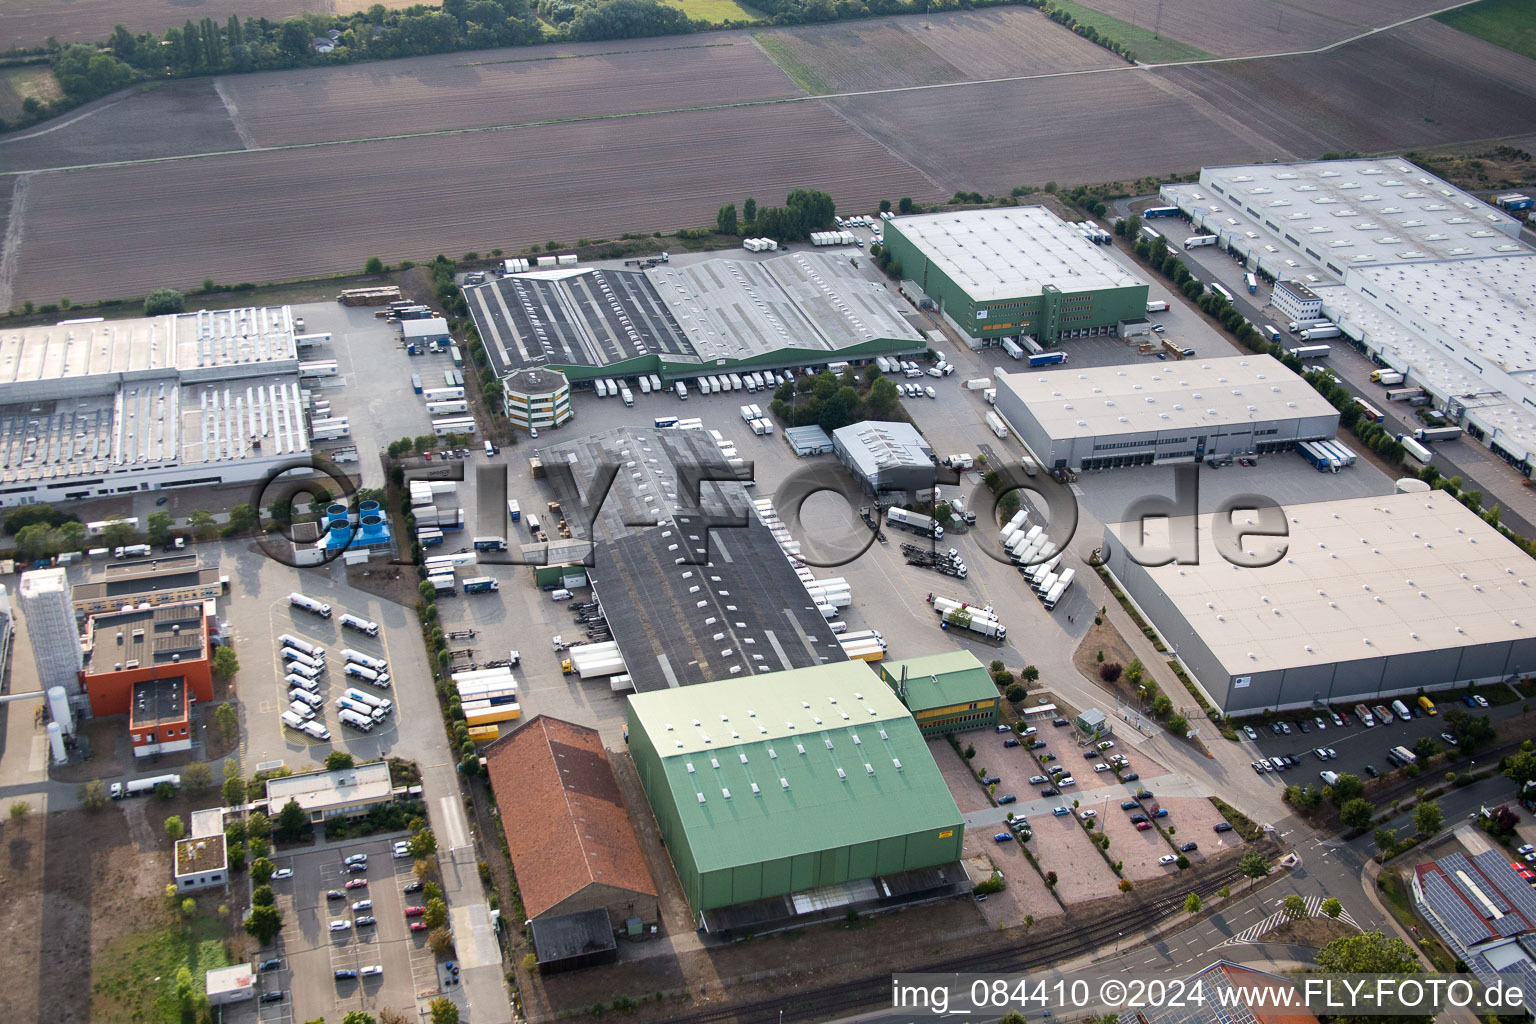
{"x":104,"y":407}
{"x":795,"y":796}
{"x":1159,"y":413}
{"x":1373,"y":597}
{"x":1426,"y":278}
{"x":1015,"y":271}
{"x":689,"y":317}
{"x":693,"y":585}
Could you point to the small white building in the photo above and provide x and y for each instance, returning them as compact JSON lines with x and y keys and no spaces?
{"x":202,"y":862}
{"x":227,"y":985}
{"x":431,"y":329}
{"x":347,"y":792}
{"x":1296,"y":301}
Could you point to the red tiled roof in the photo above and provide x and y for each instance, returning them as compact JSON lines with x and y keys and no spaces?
{"x":566,"y":824}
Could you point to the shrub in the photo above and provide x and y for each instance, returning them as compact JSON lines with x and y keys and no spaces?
{"x":1110,"y":671}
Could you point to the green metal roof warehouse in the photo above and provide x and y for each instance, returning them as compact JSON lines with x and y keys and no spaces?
{"x":788,"y":782}
{"x":1020,"y":270}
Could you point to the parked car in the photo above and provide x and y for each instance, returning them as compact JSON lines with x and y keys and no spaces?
{"x":1321,"y":752}
{"x":1059,"y":722}
{"x":356,"y":858}
{"x":1130,"y":776}
{"x":1285,"y":728}
{"x":1010,"y":743}
{"x":364,"y":922}
{"x":1370,"y":770}
{"x":1107,"y":745}
{"x":357,"y":869}
{"x":1101,"y":767}
{"x":363,"y":905}
{"x":412,"y":886}
{"x":415,"y":911}
{"x":1222,"y":826}
{"x":1258,"y":769}
{"x":372,"y":972}
{"x":1318,"y":721}
{"x":1331,"y":753}
{"x":1038,"y":780}
{"x":335,"y":894}
{"x":1142,"y":826}
{"x":1028,"y":732}
{"x":1088,"y":815}
{"x":1482,"y":701}
{"x":272,"y":997}
{"x":345,"y":972}
{"x":1129,"y":805}
{"x":1338,"y":719}
{"x":1065,"y":781}
{"x":1037,"y":745}
{"x":282,"y":873}
{"x":991,"y":780}
{"x":1167,"y":859}
{"x":1050,"y":791}
{"x":341,"y":926}
{"x":358,"y":883}
{"x":1090,"y":755}
{"x":273,"y":964}
{"x":1003,"y":837}
{"x":1301,"y":723}
{"x":1448,"y":738}
{"x":1161,"y":812}
{"x":1189,"y":847}
{"x":1140,"y":819}
{"x":1008,"y":799}
{"x":1248,"y":729}
{"x":418,"y":926}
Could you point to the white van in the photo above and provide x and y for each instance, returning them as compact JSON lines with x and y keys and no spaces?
{"x":561,"y":595}
{"x":292,"y":720}
{"x":302,"y":709}
{"x":1401,"y":710}
{"x":314,"y":700}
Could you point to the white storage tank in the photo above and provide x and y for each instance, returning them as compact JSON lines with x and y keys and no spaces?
{"x":58,"y":709}
{"x":56,"y":743}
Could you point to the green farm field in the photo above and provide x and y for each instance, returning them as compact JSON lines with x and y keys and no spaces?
{"x":1507,"y":23}
{"x":1147,"y":46}
{"x":716,"y":12}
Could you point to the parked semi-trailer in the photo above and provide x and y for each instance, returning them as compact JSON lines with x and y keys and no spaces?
{"x":915,"y":521}
{"x":489,"y":544}
{"x":1311,"y":351}
{"x":1437,"y":433}
{"x":1157,"y":306}
{"x":1414,"y":448}
{"x":1252,"y":282}
{"x":996,"y":425}
{"x":481,"y":585}
{"x":1386,"y":377}
{"x":309,"y":604}
{"x":975,"y":622}
{"x":1320,"y":333}
{"x":384,"y":704}
{"x":289,"y":640}
{"x":1404,"y":394}
{"x":367,"y":661}
{"x":367,"y":675}
{"x":356,"y":719}
{"x":1047,"y":358}
{"x":1013,"y":350}
{"x":1196,"y":241}
{"x":138,"y":787}
{"x":359,"y":624}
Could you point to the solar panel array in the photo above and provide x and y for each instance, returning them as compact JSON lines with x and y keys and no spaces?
{"x":1495,"y":866}
{"x":1458,"y":862}
{"x":1450,"y":909}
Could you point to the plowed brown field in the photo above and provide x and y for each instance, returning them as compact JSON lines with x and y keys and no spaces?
{"x":280,"y":215}
{"x":1234,"y":28}
{"x":955,"y":46}
{"x":467,"y":90}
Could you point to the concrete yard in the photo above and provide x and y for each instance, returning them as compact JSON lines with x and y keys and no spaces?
{"x":963,"y":786}
{"x":1062,"y":845}
{"x":1137,"y":851}
{"x":1194,"y":818}
{"x":1024,"y":891}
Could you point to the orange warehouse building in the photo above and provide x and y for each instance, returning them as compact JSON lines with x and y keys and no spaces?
{"x":131,"y":647}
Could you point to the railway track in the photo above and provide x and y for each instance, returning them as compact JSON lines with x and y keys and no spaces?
{"x":843,"y":999}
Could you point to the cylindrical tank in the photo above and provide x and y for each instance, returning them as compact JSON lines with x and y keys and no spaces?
{"x":58,"y":709}
{"x":56,"y":741}
{"x":373,"y":527}
{"x":336,"y":514}
{"x":368,"y":508}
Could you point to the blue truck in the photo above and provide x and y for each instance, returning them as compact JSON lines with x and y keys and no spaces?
{"x":1047,"y":358}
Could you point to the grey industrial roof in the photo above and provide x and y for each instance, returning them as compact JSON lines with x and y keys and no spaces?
{"x":208,"y":344}
{"x":1013,"y":253}
{"x":158,"y":701}
{"x":345,"y":787}
{"x":1365,"y":577}
{"x":150,"y":636}
{"x":698,"y":312}
{"x":736,"y":309}
{"x":1363,"y":211}
{"x":876,"y":446}
{"x":566,"y":936}
{"x":695,"y":588}
{"x":1141,"y":397}
{"x":1486,"y":306}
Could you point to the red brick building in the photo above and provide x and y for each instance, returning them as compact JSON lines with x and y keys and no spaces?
{"x":160,"y":721}
{"x":145,"y":645}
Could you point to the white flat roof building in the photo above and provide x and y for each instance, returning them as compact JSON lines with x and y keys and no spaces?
{"x":1162,"y":412}
{"x":1372,"y":596}
{"x":347,"y":791}
{"x":1013,"y":252}
{"x":93,"y":408}
{"x":1437,"y":283}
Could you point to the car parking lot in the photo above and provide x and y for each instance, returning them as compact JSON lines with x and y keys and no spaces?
{"x":1137,"y":850}
{"x":1357,"y":747}
{"x":1024,"y":891}
{"x":312,"y":952}
{"x":1061,"y":844}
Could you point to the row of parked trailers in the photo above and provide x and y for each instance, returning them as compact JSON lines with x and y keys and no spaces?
{"x":1038,"y":559}
{"x":833,"y":238}
{"x":830,"y":596}
{"x":488,"y":697}
{"x":1326,"y":456}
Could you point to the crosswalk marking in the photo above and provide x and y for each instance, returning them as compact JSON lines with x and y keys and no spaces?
{"x":1279,"y":917}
